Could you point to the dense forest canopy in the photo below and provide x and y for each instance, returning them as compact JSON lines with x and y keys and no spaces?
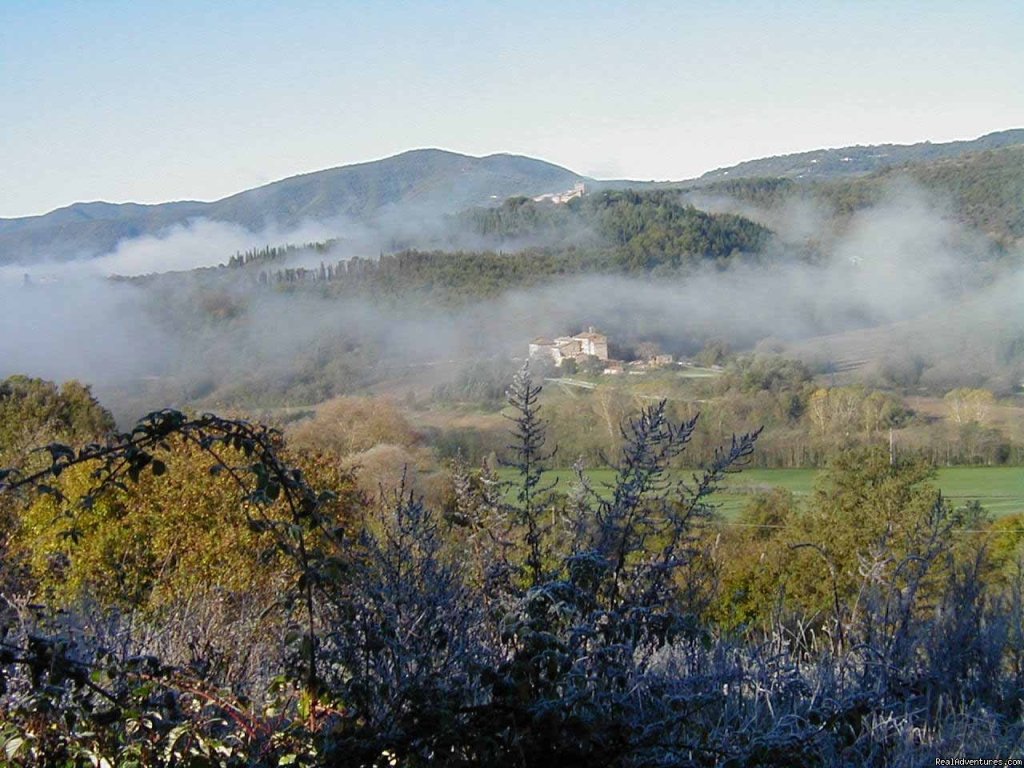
{"x":606,"y":233}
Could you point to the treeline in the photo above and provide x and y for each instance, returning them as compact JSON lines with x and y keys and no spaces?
{"x":465,"y":275}
{"x":269,"y":254}
{"x":444,"y":275}
{"x":806,"y":420}
{"x":614,"y":232}
{"x":648,"y":228}
{"x":610,"y":233}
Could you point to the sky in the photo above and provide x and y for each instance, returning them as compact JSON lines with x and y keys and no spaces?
{"x":154,"y":101}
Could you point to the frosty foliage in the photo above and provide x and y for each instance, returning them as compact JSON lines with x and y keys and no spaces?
{"x":520,"y":627}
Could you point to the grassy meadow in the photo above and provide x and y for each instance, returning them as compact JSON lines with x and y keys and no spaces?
{"x":999,"y":489}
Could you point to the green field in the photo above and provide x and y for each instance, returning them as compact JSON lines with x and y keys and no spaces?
{"x":999,"y":489}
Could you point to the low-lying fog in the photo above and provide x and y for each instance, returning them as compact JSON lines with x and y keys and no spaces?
{"x":903,"y":259}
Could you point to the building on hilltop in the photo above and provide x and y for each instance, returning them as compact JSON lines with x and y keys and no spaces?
{"x":579,"y":190}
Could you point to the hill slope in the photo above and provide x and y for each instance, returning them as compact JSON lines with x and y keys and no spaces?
{"x":984,"y":176}
{"x":985,"y":190}
{"x":853,"y":161}
{"x":422,"y":182}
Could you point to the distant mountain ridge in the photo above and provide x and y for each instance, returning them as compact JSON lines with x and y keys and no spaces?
{"x":423,"y":181}
{"x":821,"y":164}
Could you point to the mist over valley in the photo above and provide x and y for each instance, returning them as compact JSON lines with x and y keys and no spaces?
{"x":805,"y":269}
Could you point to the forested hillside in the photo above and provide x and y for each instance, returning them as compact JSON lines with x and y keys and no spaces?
{"x":985,"y":190}
{"x":821,"y":164}
{"x":607,"y":233}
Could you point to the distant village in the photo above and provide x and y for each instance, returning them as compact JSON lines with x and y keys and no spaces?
{"x":591,"y":347}
{"x":579,"y":189}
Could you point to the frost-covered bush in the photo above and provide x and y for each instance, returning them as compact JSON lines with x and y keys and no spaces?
{"x":520,"y":627}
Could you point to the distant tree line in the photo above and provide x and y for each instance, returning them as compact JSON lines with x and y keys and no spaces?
{"x":648,"y":227}
{"x":807,"y":421}
{"x":269,"y":254}
{"x":610,"y":232}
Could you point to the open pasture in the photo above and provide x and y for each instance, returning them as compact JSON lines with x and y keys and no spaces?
{"x":999,"y":489}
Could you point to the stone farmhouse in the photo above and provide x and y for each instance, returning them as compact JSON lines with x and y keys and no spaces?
{"x":578,"y":347}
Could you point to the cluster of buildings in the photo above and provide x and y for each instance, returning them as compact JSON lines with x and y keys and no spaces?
{"x":591,"y":345}
{"x":578,"y":347}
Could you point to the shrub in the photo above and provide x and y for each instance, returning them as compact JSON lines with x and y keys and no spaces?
{"x":521,"y":628}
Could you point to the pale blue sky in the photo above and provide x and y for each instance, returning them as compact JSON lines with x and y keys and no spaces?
{"x":154,"y":101}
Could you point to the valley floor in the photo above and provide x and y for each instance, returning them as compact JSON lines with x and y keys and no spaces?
{"x":1000,"y":490}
